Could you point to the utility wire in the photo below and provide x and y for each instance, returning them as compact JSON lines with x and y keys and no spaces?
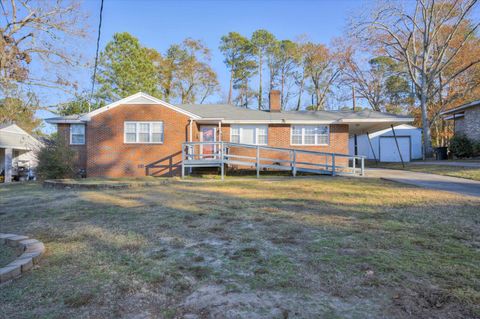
{"x":96,"y":54}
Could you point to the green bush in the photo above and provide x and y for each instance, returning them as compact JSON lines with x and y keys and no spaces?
{"x":461,"y":146}
{"x":56,"y":160}
{"x":476,"y":148}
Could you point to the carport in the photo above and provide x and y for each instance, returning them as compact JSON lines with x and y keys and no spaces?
{"x":373,"y":123}
{"x":385,"y":146}
{"x":16,"y":146}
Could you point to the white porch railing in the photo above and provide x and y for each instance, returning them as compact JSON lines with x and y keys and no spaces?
{"x":219,"y":154}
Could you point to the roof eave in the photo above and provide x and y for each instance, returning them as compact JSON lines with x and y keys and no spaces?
{"x":339,"y":121}
{"x":461,"y":108}
{"x":454,"y":116}
{"x":60,"y":121}
{"x":281,"y":121}
{"x":386,"y":120}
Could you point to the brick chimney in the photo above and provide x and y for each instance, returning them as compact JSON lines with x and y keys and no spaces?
{"x":275,"y":104}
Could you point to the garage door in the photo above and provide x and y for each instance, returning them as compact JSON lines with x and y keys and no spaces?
{"x":389,"y":151}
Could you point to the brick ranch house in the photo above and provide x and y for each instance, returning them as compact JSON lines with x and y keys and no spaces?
{"x":141,"y":135}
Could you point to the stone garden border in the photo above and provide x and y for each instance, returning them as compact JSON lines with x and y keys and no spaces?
{"x":32,"y":252}
{"x":107,"y":184}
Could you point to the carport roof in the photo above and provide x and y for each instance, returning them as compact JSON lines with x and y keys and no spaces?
{"x":231,"y":113}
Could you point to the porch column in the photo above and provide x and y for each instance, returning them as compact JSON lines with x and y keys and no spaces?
{"x":220,"y":131}
{"x":8,"y":165}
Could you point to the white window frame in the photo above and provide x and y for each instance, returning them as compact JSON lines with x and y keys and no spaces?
{"x":240,"y":131}
{"x":303,"y":135}
{"x":137,"y":132}
{"x":71,"y":134}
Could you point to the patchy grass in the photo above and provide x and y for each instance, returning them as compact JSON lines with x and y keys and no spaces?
{"x":454,"y":171}
{"x":286,"y":248}
{"x":7,"y":255}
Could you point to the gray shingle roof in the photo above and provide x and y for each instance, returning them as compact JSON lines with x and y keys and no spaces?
{"x":231,"y":112}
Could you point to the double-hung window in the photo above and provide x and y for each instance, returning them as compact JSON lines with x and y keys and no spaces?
{"x":249,"y":134}
{"x":143,"y":132}
{"x":310,"y":135}
{"x":77,"y":134}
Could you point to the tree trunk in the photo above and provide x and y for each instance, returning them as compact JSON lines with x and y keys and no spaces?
{"x":231,"y":87}
{"x":427,"y":142}
{"x":300,"y":92}
{"x":281,"y":90}
{"x":260,"y":82}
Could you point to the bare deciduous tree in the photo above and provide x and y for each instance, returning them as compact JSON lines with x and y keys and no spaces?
{"x":39,"y":33}
{"x":426,"y":40}
{"x":323,"y":67}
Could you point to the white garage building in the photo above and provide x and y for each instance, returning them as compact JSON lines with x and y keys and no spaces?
{"x":382,"y":144}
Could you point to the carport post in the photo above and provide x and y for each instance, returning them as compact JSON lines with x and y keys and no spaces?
{"x":398,"y":147}
{"x":8,"y":165}
{"x":371,"y":146}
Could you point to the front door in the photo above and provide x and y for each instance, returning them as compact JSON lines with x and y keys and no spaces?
{"x":208,"y":134}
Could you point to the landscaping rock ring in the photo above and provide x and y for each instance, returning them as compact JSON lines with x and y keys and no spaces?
{"x":32,"y":252}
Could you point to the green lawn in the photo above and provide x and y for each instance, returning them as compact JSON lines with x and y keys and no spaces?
{"x":287,"y":248}
{"x":454,"y":171}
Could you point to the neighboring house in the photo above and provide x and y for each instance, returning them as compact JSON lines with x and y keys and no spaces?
{"x":381,"y":145}
{"x":466,"y":119}
{"x":142,"y":135}
{"x":17,"y":149}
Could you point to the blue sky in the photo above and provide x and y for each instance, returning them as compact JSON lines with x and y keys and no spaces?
{"x":158,"y":24}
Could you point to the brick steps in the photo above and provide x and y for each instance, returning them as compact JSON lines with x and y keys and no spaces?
{"x":32,"y":252}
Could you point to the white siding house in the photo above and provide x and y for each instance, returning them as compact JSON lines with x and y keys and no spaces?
{"x":17,"y":147}
{"x":384,"y":147}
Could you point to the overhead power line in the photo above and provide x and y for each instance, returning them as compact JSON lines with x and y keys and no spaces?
{"x":96,"y":53}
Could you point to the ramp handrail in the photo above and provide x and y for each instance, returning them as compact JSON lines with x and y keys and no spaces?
{"x":218,"y":154}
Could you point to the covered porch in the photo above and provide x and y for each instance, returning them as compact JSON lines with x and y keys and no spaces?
{"x":17,"y":154}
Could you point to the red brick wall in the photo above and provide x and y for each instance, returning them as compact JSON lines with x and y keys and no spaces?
{"x":108,"y":155}
{"x":80,"y":150}
{"x":279,"y":136}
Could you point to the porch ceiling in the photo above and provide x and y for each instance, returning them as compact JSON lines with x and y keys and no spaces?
{"x":209,"y":120}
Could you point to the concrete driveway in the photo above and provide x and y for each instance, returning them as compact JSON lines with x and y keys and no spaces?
{"x":447,"y":163}
{"x":432,"y":181}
